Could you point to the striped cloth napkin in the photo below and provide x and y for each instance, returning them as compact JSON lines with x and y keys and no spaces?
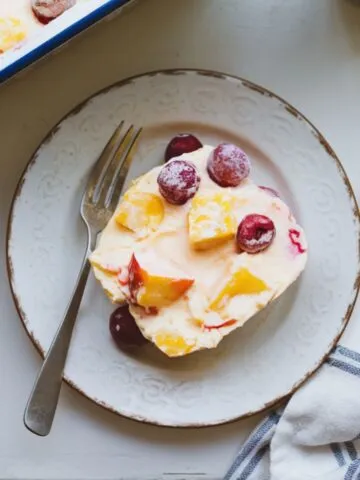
{"x":316,"y":436}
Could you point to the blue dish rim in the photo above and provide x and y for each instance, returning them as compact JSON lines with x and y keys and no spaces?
{"x":62,"y":37}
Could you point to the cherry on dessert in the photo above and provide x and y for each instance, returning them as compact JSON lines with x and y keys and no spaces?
{"x":228,"y":165}
{"x":271,"y":191}
{"x":178,"y":181}
{"x":255,"y":233}
{"x":47,"y":10}
{"x":182,"y":143}
{"x":124,"y":330}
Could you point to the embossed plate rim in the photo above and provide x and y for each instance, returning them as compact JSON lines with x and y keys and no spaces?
{"x":291,"y":111}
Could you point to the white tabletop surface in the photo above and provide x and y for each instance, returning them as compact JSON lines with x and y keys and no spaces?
{"x":307,"y":51}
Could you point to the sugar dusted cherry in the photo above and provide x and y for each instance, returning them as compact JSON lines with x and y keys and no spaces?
{"x":228,"y":165}
{"x":178,"y":181}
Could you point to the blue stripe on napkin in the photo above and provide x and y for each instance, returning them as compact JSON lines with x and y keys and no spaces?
{"x":346,"y":352}
{"x":353,"y":472}
{"x":339,"y":456}
{"x":250,"y":467}
{"x":255,"y":443}
{"x":350,"y":447}
{"x":346,"y":367}
{"x":346,"y":360}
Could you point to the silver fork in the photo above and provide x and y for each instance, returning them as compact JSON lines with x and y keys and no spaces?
{"x":97,"y":206}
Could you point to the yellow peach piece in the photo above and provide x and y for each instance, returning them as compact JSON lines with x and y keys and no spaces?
{"x":173,"y":345}
{"x":140,"y":212}
{"x":242,"y":282}
{"x":12,"y":32}
{"x":211,"y":220}
{"x":157,"y":286}
{"x":162,"y":291}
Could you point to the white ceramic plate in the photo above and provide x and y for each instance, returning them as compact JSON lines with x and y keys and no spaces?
{"x":278,"y":349}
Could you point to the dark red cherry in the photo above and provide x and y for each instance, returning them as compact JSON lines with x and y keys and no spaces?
{"x":182,"y":143}
{"x":124,"y":330}
{"x":255,"y":233}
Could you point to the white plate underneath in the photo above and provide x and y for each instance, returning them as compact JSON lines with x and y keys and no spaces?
{"x":278,"y":349}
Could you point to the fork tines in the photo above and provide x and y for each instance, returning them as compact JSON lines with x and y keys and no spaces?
{"x":108,"y":176}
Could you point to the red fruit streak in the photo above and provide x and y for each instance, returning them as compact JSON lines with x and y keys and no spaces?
{"x":228,"y":323}
{"x":295,"y":233}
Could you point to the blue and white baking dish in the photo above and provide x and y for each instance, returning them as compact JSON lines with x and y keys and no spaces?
{"x":40,"y":43}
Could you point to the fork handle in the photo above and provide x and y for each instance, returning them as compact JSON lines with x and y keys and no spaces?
{"x":40,"y":409}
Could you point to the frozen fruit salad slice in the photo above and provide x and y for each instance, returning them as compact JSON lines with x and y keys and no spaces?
{"x":211,"y":258}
